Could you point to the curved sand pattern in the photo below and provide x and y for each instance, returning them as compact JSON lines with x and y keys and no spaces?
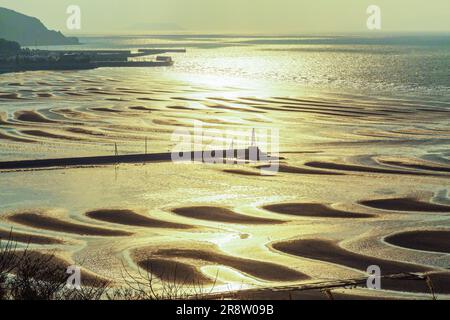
{"x":172,"y":271}
{"x":13,"y":138}
{"x":313,"y":210}
{"x":45,"y":95}
{"x":405,"y":204}
{"x":101,"y":109}
{"x":28,"y":238}
{"x":205,"y":254}
{"x":131,"y":218}
{"x":31,"y":116}
{"x":45,"y":134}
{"x":141,"y":108}
{"x":428,"y":167}
{"x":357,"y":168}
{"x":330,"y":252}
{"x":85,"y":132}
{"x":10,"y":96}
{"x":244,"y":172}
{"x":218,"y":214}
{"x":297,"y":170}
{"x":40,"y":221}
{"x":434,"y":241}
{"x":3,"y":118}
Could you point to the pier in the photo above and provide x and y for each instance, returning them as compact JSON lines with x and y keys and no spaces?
{"x":208,"y":156}
{"x":57,"y":60}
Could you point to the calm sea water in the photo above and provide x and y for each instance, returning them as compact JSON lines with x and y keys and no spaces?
{"x":413,"y":65}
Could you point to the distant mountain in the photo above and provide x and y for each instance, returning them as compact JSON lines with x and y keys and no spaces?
{"x":29,"y":31}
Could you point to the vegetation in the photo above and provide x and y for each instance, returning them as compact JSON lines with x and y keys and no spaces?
{"x":9,"y":47}
{"x":27,"y":276}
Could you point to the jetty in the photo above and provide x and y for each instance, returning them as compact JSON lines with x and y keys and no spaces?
{"x":207,"y":156}
{"x":36,"y":60}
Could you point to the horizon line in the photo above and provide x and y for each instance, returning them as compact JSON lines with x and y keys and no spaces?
{"x":256,"y":34}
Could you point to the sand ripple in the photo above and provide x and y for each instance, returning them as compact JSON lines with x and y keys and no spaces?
{"x":31,"y":116}
{"x":45,"y":134}
{"x":330,"y":252}
{"x":218,"y":214}
{"x":298,"y":170}
{"x":405,"y":204}
{"x":28,"y":238}
{"x":427,"y":167}
{"x":40,"y":221}
{"x":202,"y":255}
{"x":13,"y":138}
{"x":357,"y":168}
{"x":313,"y":210}
{"x":174,"y":271}
{"x":244,"y":172}
{"x":434,"y":241}
{"x":131,"y":218}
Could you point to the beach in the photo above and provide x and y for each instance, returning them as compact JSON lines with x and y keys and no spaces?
{"x":361,"y":179}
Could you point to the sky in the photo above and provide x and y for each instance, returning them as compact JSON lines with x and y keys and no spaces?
{"x":237,"y":16}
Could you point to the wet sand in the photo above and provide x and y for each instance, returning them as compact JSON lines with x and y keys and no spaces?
{"x":330,"y":252}
{"x":229,"y":108}
{"x":140,"y":108}
{"x":218,"y":214}
{"x":32,"y":116}
{"x":201,"y":255}
{"x":131,"y":218}
{"x":106,"y":110}
{"x":434,"y":241}
{"x":40,"y":221}
{"x":14,"y":138}
{"x":45,"y":134}
{"x":298,"y":170}
{"x":405,"y":204}
{"x":357,"y":168}
{"x":80,"y":116}
{"x":427,"y":167}
{"x":44,"y":95}
{"x":172,"y":271}
{"x":313,"y":210}
{"x":245,"y":172}
{"x":86,"y":132}
{"x":28,"y":238}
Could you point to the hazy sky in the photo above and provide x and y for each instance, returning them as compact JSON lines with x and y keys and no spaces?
{"x":238,"y":16}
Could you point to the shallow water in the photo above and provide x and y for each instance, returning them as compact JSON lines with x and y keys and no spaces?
{"x":341,"y":143}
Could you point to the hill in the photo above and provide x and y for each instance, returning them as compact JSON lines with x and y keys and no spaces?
{"x":29,"y":31}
